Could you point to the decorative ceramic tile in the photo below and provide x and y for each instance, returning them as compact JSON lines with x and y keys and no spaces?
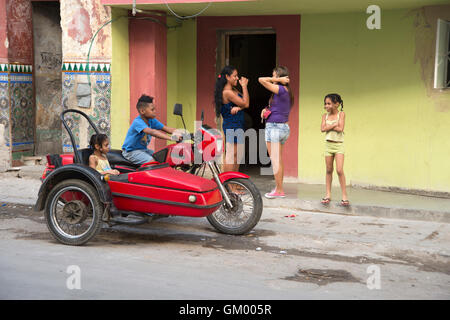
{"x":17,"y":108}
{"x":4,"y":109}
{"x":100,"y":109}
{"x":85,"y":67}
{"x":20,"y":68}
{"x":22,"y":115}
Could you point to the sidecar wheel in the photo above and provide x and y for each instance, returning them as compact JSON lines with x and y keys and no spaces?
{"x":73,"y":212}
{"x":246,"y":211}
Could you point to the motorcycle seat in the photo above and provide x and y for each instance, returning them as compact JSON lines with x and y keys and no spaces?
{"x":115,"y":157}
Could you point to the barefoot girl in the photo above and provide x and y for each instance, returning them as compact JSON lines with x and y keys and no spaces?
{"x":333,"y":123}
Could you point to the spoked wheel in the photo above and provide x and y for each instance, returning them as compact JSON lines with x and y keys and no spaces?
{"x":73,"y":212}
{"x":246,"y":211}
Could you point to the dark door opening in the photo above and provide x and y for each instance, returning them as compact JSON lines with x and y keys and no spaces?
{"x":254,"y":55}
{"x":47,"y":48}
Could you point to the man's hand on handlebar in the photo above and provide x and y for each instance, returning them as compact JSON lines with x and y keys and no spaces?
{"x":176,"y":138}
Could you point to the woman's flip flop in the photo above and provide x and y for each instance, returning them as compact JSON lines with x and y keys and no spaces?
{"x":325,"y":200}
{"x":345,"y":203}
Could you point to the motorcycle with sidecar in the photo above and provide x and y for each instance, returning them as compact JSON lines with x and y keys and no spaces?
{"x":77,"y":199}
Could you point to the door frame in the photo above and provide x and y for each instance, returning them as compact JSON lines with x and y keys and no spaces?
{"x":223,"y":43}
{"x":287,"y":28}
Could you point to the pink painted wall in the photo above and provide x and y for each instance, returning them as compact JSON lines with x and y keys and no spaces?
{"x":20,"y":37}
{"x":288,"y":45}
{"x":116,"y":2}
{"x":3,"y":32}
{"x":148,"y":67}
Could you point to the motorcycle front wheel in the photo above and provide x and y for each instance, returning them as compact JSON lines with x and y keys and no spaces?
{"x":246,"y":211}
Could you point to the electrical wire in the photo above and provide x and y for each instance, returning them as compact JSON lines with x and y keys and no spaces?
{"x":111,"y":21}
{"x":186,"y":17}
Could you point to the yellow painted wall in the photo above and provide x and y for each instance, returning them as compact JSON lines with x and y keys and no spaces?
{"x":182,"y":72}
{"x":397,"y":128}
{"x":120,"y":84}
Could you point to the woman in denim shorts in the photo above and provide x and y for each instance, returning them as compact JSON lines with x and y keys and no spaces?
{"x":277,"y":127}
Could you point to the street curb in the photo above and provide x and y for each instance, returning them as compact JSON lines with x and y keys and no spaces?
{"x":359,"y":210}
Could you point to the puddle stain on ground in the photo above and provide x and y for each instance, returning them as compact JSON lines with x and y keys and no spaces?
{"x":431,"y":236}
{"x":249,"y":242}
{"x":381,"y":225}
{"x":322,"y":277}
{"x":268,"y":220}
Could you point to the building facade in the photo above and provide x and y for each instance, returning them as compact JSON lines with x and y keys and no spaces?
{"x":382,"y":63}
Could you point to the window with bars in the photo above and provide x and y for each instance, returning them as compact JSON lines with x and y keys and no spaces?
{"x":442,"y":62}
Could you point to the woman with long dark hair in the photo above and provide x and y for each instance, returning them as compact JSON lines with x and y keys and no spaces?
{"x":277,"y":127}
{"x":229,"y":103}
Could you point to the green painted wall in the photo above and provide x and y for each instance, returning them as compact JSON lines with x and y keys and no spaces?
{"x":396,"y":133}
{"x":182,"y":72}
{"x":120,"y":79}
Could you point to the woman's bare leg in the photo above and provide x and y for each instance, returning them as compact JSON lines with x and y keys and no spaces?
{"x":228,"y":164}
{"x":279,"y":177}
{"x":275,"y":152}
{"x":238,"y":155}
{"x":329,"y":175}
{"x":341,"y":175}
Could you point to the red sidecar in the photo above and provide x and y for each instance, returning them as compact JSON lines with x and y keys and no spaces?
{"x":77,"y":199}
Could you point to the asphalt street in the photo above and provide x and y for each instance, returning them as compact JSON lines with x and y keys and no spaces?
{"x":289,"y":255}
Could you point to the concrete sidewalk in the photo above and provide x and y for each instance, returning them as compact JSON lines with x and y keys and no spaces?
{"x":364,"y":202}
{"x":23,"y":186}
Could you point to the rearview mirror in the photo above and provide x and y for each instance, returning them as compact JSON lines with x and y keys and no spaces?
{"x":178,"y":109}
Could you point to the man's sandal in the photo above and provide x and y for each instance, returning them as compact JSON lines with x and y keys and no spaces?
{"x":325,"y":200}
{"x":345,"y":203}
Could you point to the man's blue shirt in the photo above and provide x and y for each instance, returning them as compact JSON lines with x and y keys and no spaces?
{"x":136,"y":138}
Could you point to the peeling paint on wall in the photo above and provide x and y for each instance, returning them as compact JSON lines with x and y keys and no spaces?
{"x":79,"y":27}
{"x":19,"y":28}
{"x":80,"y":20}
{"x":47,"y":75}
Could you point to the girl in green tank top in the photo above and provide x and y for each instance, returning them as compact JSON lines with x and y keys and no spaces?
{"x":333,"y":123}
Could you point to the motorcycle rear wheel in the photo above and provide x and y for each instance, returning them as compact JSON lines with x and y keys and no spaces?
{"x":246,"y":211}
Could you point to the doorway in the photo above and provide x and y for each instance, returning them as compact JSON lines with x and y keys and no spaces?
{"x":47,"y":50}
{"x":211,"y":34}
{"x":254,"y":54}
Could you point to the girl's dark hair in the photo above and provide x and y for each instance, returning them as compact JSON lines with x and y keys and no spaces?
{"x":220,"y":84}
{"x":335,"y":98}
{"x":97,"y":139}
{"x":282,"y":71}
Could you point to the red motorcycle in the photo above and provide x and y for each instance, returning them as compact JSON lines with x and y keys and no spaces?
{"x":77,"y":199}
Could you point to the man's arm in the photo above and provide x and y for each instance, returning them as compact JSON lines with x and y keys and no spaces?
{"x":168,"y":129}
{"x":157,"y":133}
